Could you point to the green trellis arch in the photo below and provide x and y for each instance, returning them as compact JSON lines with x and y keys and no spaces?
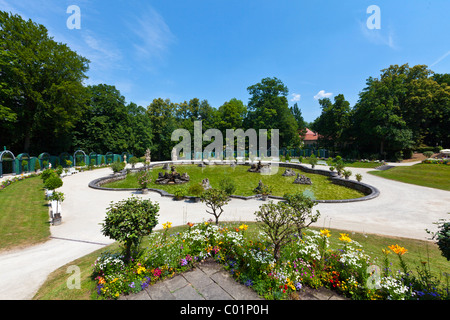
{"x":75,"y":157}
{"x":44,"y":157}
{"x":2,"y":154}
{"x":19,"y":159}
{"x":93,"y":156}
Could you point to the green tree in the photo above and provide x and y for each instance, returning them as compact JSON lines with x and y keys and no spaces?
{"x":161,"y":115}
{"x":106,"y":126}
{"x":129,"y":220}
{"x":268,"y":109}
{"x":301,"y":123}
{"x":302,"y":206}
{"x":41,"y":92}
{"x":215,"y":199}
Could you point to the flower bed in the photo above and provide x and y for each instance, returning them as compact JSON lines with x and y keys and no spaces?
{"x":306,"y":261}
{"x":437,"y":161}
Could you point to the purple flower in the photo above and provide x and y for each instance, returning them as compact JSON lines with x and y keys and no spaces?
{"x":132,"y":285}
{"x":248,"y":283}
{"x":298,"y":285}
{"x":183,"y":262}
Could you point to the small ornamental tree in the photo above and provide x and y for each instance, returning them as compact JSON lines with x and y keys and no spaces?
{"x":129,"y":220}
{"x":302,"y":206}
{"x":277,"y":224}
{"x":215,"y":199}
{"x":313,"y":161}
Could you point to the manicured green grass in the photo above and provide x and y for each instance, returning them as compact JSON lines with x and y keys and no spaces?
{"x":55,"y":288}
{"x":24,"y":218}
{"x":245,"y":182}
{"x":427,"y":175}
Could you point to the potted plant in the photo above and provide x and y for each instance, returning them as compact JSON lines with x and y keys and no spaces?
{"x":179,"y":194}
{"x":347,"y":174}
{"x":59,"y":198}
{"x":313,"y":161}
{"x":133,"y":161}
{"x":117,"y":167}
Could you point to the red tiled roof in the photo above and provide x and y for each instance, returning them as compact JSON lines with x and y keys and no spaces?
{"x":310,"y":136}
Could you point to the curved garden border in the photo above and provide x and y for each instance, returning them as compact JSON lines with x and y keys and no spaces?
{"x":369,"y":191}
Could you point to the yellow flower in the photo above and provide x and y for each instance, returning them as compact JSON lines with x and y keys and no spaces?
{"x":386,"y":251}
{"x":140,"y":270}
{"x":243,"y":227}
{"x":325,"y":233}
{"x":167,"y":225}
{"x":344,"y":237}
{"x":398,"y":250}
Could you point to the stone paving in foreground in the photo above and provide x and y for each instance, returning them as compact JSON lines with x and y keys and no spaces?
{"x":210,"y":281}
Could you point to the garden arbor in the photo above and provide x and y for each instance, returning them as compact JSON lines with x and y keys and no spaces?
{"x":23,"y":162}
{"x":44,"y":157}
{"x":9,"y":157}
{"x":75,"y":157}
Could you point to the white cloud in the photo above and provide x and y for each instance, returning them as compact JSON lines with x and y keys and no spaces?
{"x":440,"y":59}
{"x":383,"y":36}
{"x":153,"y":35}
{"x":322,"y":94}
{"x":295,"y":97}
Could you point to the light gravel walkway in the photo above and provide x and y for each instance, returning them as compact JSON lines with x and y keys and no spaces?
{"x":402,"y":210}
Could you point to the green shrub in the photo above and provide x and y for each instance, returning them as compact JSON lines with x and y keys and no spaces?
{"x":196,"y":189}
{"x":117,"y":166}
{"x":53,"y":182}
{"x":227,"y":185}
{"x":428,"y":154}
{"x":358,"y":177}
{"x":313,"y":160}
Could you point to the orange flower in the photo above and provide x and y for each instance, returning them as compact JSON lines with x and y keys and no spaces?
{"x":398,"y":250}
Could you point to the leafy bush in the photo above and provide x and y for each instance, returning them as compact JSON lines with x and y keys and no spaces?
{"x":428,"y":154}
{"x":227,"y":185}
{"x":117,"y":166}
{"x":196,"y":189}
{"x":358,"y":177}
{"x":53,"y":182}
{"x":442,"y":237}
{"x":127,"y":221}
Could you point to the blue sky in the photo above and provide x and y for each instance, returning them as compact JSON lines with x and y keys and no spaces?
{"x":215,"y":49}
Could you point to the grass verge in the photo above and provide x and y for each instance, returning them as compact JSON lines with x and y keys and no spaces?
{"x":428,"y":175}
{"x":24,"y":218}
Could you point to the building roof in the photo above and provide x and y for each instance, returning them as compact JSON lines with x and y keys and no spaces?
{"x":310,"y":136}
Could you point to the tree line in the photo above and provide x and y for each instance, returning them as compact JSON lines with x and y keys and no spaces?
{"x":405,"y":109}
{"x":45,"y":107}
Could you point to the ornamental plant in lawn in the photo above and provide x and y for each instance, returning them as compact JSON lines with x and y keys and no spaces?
{"x":249,"y":257}
{"x":128,"y":221}
{"x":144,"y":178}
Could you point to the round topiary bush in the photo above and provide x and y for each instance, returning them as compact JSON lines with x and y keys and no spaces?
{"x":53,"y":182}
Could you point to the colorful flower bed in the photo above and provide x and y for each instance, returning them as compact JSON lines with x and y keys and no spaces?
{"x":437,"y":161}
{"x":307,"y":261}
